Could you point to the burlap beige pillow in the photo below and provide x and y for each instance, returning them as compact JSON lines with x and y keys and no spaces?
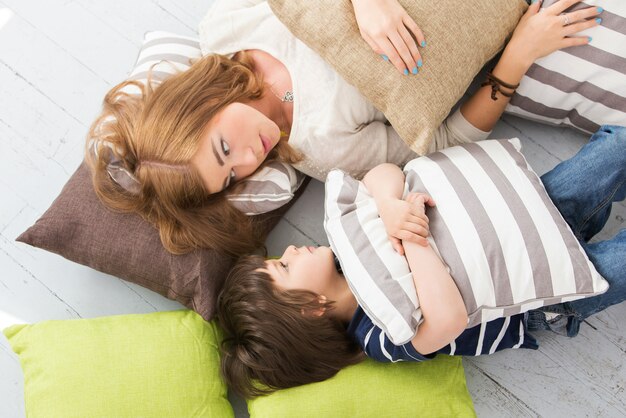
{"x":461,"y":37}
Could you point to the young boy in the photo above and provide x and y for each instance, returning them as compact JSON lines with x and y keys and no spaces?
{"x":294,"y":320}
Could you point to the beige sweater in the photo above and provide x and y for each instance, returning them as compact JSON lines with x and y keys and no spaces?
{"x":334,"y":126}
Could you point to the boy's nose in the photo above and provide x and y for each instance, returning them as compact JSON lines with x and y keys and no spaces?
{"x":290,"y":250}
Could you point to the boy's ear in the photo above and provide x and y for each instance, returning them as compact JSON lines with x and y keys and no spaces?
{"x":317,"y":311}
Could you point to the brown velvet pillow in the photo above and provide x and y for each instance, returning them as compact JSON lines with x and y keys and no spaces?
{"x":461,"y":37}
{"x":80,"y":228}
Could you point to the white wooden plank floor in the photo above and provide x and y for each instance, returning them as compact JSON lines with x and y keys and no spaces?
{"x":57,"y":60}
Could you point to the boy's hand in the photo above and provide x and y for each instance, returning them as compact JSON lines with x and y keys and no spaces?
{"x":406,"y":219}
{"x":389,"y":31}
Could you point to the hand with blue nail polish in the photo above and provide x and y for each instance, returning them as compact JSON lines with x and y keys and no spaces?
{"x":540,"y":33}
{"x":390,"y":32}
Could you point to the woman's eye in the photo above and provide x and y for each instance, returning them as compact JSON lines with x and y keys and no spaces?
{"x":232,"y":175}
{"x":225,"y":148}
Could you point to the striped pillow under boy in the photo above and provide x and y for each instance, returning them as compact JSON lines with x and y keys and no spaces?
{"x":584,"y":86}
{"x":504,"y":242}
{"x":164,"y":54}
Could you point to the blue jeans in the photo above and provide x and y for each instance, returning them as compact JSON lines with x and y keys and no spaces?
{"x":583,"y":189}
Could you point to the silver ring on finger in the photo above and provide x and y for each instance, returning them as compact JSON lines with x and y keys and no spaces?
{"x":565,"y":19}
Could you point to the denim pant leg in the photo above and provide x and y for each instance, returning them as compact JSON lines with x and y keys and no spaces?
{"x":583,"y":189}
{"x":609,"y":257}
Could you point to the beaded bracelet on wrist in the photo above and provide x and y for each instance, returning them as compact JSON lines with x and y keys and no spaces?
{"x":496,"y":86}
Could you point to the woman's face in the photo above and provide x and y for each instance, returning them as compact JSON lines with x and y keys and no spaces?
{"x":235,"y":143}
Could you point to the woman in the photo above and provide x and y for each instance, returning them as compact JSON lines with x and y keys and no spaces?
{"x":267,"y":96}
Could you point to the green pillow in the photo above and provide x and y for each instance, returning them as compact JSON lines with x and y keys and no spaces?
{"x":435,"y":388}
{"x":163,"y":364}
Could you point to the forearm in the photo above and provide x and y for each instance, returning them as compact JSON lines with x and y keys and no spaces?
{"x":443,"y":310}
{"x":385,"y":181}
{"x":481,"y":110}
{"x":536,"y":35}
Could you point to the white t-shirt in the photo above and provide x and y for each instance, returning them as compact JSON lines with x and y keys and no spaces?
{"x":334,"y":125}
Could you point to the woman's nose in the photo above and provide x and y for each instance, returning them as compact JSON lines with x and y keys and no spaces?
{"x":247,"y":157}
{"x":244,"y":162}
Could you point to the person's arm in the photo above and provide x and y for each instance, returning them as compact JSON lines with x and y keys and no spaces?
{"x":537,"y":34}
{"x":443,"y":310}
{"x":391,"y":32}
{"x":403,"y":220}
{"x":215,"y":29}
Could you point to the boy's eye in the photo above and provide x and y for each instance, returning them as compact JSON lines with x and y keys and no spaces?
{"x":284,"y":266}
{"x":225,"y":148}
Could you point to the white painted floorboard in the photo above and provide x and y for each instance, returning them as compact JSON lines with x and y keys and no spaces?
{"x":57,"y":60}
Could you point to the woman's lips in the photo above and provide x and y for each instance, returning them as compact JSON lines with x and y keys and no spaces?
{"x":267,"y":144}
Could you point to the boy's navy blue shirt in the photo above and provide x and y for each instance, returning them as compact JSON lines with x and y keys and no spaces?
{"x":486,"y":338}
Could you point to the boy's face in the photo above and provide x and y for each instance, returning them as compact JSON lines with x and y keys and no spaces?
{"x":304,"y":268}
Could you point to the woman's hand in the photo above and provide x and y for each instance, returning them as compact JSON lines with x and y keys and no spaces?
{"x":406,"y":219}
{"x":543,"y":31}
{"x":390,"y":32}
{"x":538,"y":33}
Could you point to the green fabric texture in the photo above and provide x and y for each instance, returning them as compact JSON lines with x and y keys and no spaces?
{"x":435,"y":388}
{"x":163,"y":364}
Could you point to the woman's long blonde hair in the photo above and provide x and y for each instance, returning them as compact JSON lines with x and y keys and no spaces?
{"x":155,"y":134}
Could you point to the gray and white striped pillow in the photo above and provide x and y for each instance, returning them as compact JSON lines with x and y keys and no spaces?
{"x":504,"y":242}
{"x":163,"y":54}
{"x":584,"y":86}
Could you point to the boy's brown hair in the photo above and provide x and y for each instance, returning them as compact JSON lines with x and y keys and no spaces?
{"x":276,"y":339}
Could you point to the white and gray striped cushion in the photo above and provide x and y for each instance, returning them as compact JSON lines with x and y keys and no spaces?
{"x":506,"y":245}
{"x":267,"y":189}
{"x":378,"y":276}
{"x":584,"y":86}
{"x":163,"y":54}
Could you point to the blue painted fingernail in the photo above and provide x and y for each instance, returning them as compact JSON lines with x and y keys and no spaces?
{"x":385,"y":57}
{"x":598,"y":20}
{"x":600,"y":9}
{"x":406,"y":72}
{"x":419,"y":63}
{"x":589,"y":38}
{"x":423,"y":43}
{"x":414,"y":71}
